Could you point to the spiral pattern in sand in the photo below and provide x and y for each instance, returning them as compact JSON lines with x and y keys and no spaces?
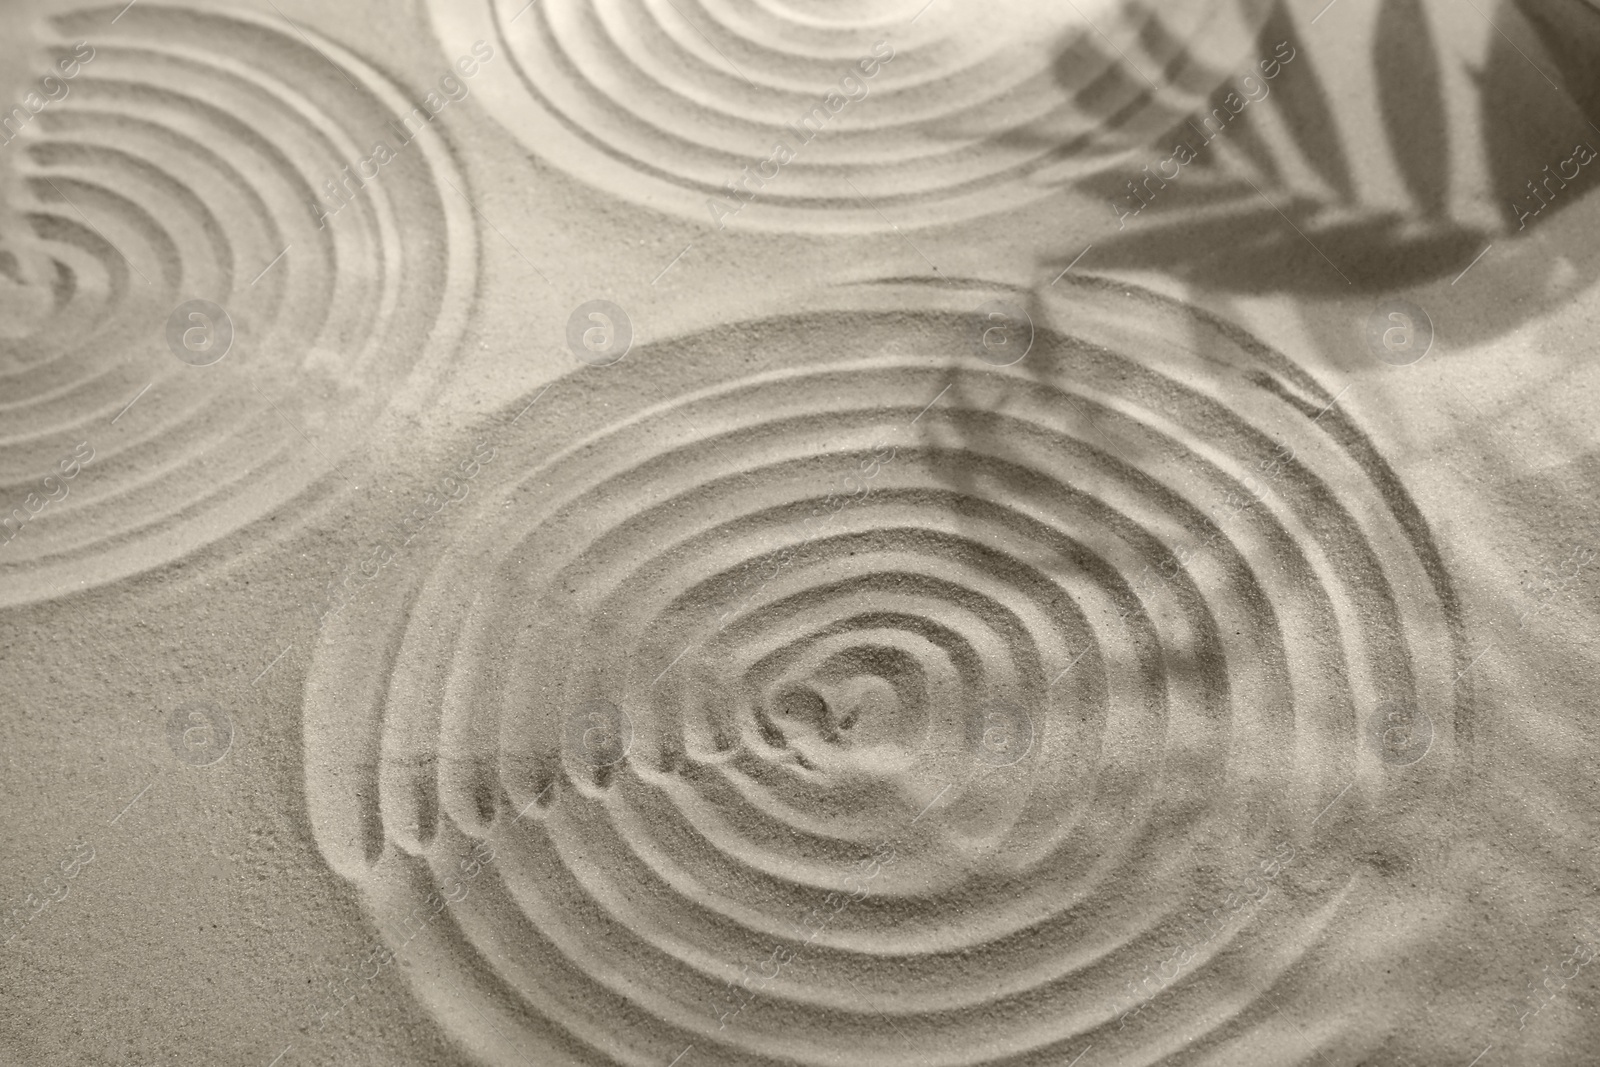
{"x":949,"y":112}
{"x":680,"y":715}
{"x":183,"y":165}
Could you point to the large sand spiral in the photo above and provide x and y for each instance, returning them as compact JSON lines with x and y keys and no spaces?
{"x":184,"y":165}
{"x":679,"y":714}
{"x":965,"y":113}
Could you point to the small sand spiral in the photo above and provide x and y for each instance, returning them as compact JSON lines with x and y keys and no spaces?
{"x":883,"y":111}
{"x":183,"y":164}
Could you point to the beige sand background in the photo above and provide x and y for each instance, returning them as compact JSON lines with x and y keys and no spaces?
{"x":209,"y":922}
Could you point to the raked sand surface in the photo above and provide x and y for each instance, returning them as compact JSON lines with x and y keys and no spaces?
{"x":756,"y":533}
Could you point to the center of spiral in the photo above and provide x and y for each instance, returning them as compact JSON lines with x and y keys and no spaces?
{"x":859,"y":720}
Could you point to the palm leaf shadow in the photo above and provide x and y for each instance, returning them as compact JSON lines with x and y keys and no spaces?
{"x":1233,"y":224}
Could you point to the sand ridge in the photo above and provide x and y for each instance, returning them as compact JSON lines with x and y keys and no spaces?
{"x":977,"y":113}
{"x":949,"y":671}
{"x":184,"y":167}
{"x":795,"y":652}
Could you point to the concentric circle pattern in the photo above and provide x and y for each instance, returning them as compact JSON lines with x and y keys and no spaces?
{"x":881,"y":110}
{"x":880,"y":705}
{"x":181,"y":168}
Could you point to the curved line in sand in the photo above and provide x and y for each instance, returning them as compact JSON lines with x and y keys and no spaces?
{"x":667,"y":786}
{"x":195,"y":146}
{"x":630,"y":97}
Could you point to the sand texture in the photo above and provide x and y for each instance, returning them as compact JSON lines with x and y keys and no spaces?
{"x":645,"y":533}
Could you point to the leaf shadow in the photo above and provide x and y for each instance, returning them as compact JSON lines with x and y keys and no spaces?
{"x":1278,"y":205}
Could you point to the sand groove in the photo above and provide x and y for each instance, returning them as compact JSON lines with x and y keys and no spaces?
{"x":184,"y":164}
{"x":933,"y":117}
{"x":965,"y":680}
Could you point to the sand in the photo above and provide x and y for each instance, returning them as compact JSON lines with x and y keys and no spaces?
{"x":650,"y":534}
